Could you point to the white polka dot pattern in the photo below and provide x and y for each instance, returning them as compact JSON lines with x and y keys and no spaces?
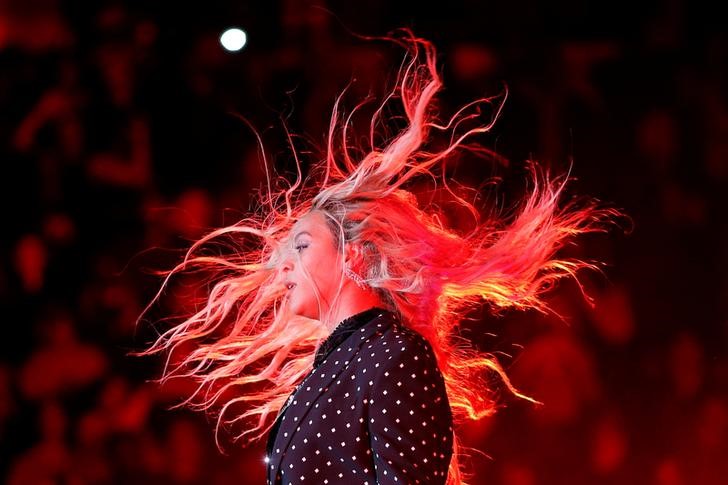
{"x":375,"y":411}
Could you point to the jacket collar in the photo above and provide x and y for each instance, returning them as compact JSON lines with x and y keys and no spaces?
{"x":342,"y":331}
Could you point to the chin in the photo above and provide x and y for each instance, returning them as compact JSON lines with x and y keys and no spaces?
{"x":308,"y":314}
{"x":301,"y":310}
{"x":302,"y":302}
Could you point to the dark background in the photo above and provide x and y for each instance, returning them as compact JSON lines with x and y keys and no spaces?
{"x":120,"y":145}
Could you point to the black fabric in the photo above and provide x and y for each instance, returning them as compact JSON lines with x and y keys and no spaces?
{"x":374,"y":410}
{"x":342,"y":331}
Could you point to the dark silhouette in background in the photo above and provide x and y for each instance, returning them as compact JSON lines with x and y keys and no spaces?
{"x":119,"y":135}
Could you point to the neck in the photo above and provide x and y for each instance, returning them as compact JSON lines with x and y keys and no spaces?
{"x":352,"y":300}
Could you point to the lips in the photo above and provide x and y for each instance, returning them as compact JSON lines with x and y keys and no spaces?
{"x":290,"y":285}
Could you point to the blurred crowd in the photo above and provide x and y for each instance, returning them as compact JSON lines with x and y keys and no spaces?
{"x":122,"y":142}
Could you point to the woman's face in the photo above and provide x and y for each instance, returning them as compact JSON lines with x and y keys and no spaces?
{"x":311,"y":267}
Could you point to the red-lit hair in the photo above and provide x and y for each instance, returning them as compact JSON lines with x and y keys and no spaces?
{"x":243,"y":349}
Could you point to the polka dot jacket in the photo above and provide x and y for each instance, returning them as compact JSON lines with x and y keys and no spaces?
{"x":374,"y":411}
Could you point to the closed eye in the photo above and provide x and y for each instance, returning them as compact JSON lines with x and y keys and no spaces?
{"x":301,"y":247}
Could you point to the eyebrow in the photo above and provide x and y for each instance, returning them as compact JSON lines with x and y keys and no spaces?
{"x":301,"y":234}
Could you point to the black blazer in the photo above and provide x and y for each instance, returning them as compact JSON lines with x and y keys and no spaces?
{"x":375,"y":411}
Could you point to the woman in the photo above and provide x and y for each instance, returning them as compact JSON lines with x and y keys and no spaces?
{"x":375,"y":394}
{"x":336,"y":328}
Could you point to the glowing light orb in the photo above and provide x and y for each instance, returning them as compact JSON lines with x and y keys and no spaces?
{"x":233,"y":39}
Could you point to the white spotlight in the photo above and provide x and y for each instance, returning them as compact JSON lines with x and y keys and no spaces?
{"x":233,"y":39}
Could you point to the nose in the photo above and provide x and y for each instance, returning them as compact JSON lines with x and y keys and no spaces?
{"x":286,"y":264}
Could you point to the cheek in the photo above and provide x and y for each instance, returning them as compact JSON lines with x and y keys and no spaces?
{"x":308,"y":274}
{"x":323,"y":270}
{"x":331,"y":276}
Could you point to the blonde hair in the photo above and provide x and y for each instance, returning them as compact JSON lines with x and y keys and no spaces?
{"x":246,"y":353}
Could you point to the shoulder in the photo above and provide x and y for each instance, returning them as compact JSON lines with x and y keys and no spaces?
{"x":406,"y":383}
{"x":400,"y":334}
{"x":400,"y":350}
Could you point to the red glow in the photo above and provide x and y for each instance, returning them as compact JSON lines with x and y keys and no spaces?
{"x":30,"y":261}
